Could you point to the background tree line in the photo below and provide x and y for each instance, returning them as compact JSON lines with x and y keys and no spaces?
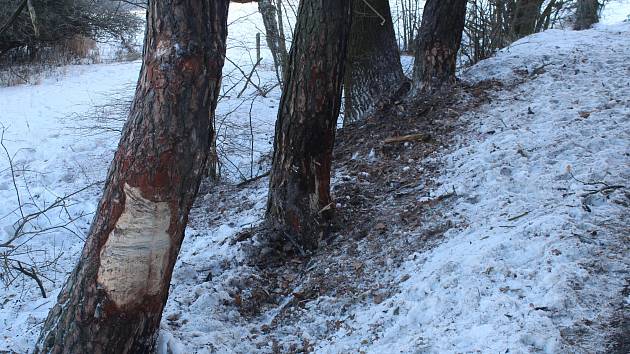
{"x":31,"y":29}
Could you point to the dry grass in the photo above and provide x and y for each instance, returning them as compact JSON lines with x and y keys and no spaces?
{"x":29,"y":66}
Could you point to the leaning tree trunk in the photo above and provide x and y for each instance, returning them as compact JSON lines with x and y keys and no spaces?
{"x":373,"y":72}
{"x":438,"y":43}
{"x":113,"y":300}
{"x":587,"y":14}
{"x":299,"y":190}
{"x":526,"y":15}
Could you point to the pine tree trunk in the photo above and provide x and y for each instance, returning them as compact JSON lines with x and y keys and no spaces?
{"x":373,"y":71}
{"x":113,"y":300}
{"x":587,"y":14}
{"x":299,"y":188}
{"x":526,"y":15}
{"x":438,"y":43}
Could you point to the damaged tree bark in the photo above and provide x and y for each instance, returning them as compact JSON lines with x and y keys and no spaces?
{"x":299,"y":189}
{"x":113,"y":300}
{"x":373,"y":72}
{"x":438,"y":43}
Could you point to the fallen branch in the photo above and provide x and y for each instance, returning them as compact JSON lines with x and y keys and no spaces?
{"x":602,"y":190}
{"x":593,"y":183}
{"x":33,"y":275}
{"x":438,"y":198}
{"x":518,"y":216}
{"x":406,"y":138}
{"x":250,"y":180}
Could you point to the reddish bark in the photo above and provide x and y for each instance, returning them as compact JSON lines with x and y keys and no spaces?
{"x":113,"y":300}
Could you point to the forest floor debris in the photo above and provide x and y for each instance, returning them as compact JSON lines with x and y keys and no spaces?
{"x":477,"y":231}
{"x":472,"y":237}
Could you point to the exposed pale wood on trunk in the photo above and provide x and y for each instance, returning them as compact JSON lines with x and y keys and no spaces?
{"x":113,"y":300}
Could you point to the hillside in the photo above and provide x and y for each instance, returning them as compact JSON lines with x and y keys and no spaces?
{"x":504,"y":230}
{"x":493,"y":219}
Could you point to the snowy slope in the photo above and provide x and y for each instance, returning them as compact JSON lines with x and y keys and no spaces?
{"x":532,"y":267}
{"x":539,"y":268}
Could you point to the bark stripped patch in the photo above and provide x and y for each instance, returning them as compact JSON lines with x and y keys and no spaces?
{"x":134,"y":258}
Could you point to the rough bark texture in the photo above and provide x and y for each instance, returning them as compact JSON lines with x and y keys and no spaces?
{"x":113,"y":300}
{"x":438,"y":43}
{"x":587,"y":14}
{"x":272,"y":35}
{"x":299,"y":188}
{"x":526,"y":15}
{"x":373,"y":72}
{"x":282,"y":41}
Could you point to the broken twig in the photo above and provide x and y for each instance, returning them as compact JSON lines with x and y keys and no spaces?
{"x":518,"y":216}
{"x":406,"y":138}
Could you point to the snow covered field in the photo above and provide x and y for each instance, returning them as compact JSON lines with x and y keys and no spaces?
{"x":538,"y":262}
{"x":51,"y":160}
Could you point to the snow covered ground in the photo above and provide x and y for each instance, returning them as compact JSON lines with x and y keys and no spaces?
{"x":57,"y":149}
{"x":50,"y":160}
{"x":542,"y":262}
{"x":537,"y":264}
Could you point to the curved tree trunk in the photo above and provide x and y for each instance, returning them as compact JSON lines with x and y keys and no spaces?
{"x":438,"y":43}
{"x":587,"y":14}
{"x":373,"y":71}
{"x":299,"y":189}
{"x":113,"y":300}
